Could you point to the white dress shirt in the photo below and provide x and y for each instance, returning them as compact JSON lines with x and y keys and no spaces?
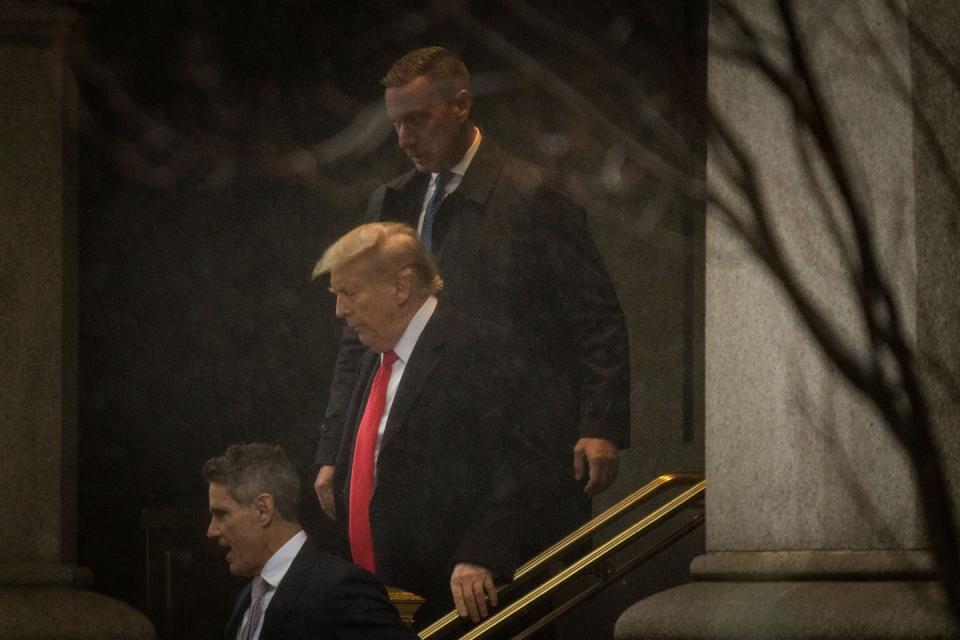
{"x":458,"y":172}
{"x":403,"y":349}
{"x":272,"y":573}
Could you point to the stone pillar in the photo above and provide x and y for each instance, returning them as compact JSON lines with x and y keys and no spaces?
{"x":41,"y":594}
{"x":813,"y":528}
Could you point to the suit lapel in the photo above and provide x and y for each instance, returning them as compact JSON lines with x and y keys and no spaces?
{"x":403,"y":202}
{"x":468,"y":202}
{"x":287,"y":591}
{"x":243,"y":601}
{"x":423,"y":362}
{"x":482,"y":174}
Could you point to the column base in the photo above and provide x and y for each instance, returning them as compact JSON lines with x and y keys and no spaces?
{"x":758,"y":605}
{"x":43,"y":602}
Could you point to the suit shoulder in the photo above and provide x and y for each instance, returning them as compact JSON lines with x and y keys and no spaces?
{"x":399,"y":181}
{"x":358,"y":603}
{"x":375,"y":202}
{"x":472,"y":328}
{"x":524,"y":178}
{"x":333,"y":566}
{"x":540,"y":189}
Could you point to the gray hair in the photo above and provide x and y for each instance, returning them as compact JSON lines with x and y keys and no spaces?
{"x":390,"y":247}
{"x":247,"y":470}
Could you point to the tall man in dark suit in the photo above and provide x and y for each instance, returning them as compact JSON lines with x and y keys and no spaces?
{"x":298,"y":590}
{"x":512,"y":250}
{"x":442,"y":470}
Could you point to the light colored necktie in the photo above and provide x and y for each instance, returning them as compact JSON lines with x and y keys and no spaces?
{"x":362,"y":469}
{"x":257,"y":592}
{"x":439,"y":191}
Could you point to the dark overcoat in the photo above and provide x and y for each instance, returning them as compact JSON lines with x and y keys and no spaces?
{"x":514,"y":250}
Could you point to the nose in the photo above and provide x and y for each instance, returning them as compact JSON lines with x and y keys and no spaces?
{"x":405,"y":137}
{"x":212,"y":531}
{"x":342,"y":308}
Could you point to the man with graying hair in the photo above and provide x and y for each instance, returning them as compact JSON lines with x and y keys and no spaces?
{"x":298,"y":590}
{"x":443,"y":469}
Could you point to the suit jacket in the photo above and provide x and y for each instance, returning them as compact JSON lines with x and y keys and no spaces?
{"x":324,"y":597}
{"x":462,"y":471}
{"x":515,"y":251}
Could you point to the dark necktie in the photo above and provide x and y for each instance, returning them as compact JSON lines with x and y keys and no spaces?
{"x":439,"y":192}
{"x":362,"y":470}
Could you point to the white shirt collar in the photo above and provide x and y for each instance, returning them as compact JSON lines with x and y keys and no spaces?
{"x":460,"y":169}
{"x":411,"y":334}
{"x":279,"y":563}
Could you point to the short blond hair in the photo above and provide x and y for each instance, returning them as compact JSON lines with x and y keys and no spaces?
{"x":390,"y":247}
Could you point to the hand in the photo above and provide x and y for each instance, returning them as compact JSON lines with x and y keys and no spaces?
{"x":598,"y":458}
{"x":323,"y":486}
{"x":472,"y":587}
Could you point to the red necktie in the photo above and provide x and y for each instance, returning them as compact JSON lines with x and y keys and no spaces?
{"x":361,"y":473}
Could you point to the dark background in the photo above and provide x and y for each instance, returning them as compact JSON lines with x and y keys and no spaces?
{"x":215,"y":169}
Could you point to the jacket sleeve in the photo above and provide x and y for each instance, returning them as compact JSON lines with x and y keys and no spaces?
{"x":588,"y":303}
{"x":341,"y":390}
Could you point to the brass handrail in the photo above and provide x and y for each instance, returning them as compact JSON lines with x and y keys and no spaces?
{"x":580,"y":534}
{"x":611,"y":577}
{"x":505,"y":614}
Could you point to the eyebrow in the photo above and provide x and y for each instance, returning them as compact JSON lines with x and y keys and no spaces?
{"x":407,"y":114}
{"x":343,"y":286}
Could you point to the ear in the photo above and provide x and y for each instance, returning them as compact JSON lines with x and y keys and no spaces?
{"x":403,"y":286}
{"x":263,"y":503}
{"x":463,"y":102}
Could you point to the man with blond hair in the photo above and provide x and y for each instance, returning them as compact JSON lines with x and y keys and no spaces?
{"x":513,"y":250}
{"x":442,"y":468}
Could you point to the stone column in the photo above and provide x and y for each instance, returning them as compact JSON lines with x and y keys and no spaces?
{"x":813,"y":528}
{"x":41,"y":594}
